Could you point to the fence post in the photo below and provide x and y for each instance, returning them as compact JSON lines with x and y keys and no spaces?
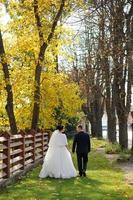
{"x":42,"y":143}
{"x":46,"y":138}
{"x":6,"y":152}
{"x":22,"y":133}
{"x":32,"y":132}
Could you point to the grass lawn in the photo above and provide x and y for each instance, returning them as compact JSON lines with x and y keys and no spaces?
{"x":103,"y":182}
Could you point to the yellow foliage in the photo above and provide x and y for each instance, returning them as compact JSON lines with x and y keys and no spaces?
{"x":22,"y":46}
{"x":56,"y":88}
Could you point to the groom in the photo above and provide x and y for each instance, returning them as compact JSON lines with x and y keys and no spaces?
{"x":82,"y":144}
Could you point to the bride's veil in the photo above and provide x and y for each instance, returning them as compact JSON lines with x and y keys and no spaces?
{"x":57,"y":139}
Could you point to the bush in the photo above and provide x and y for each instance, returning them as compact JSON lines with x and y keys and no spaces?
{"x":124,"y":157}
{"x":96,"y":143}
{"x":112,"y":148}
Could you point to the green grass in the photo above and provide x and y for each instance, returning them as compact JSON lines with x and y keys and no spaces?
{"x":103,"y":182}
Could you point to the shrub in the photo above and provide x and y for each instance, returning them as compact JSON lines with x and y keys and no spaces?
{"x":124,"y":157}
{"x":112,"y":148}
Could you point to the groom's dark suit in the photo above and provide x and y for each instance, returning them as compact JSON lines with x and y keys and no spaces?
{"x":82,"y":144}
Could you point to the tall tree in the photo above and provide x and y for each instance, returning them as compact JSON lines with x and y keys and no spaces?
{"x":122,"y":70}
{"x":104,"y":53}
{"x":8,"y":87}
{"x":43,"y":46}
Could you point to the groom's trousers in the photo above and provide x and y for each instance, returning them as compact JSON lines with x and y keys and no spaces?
{"x":82,"y":159}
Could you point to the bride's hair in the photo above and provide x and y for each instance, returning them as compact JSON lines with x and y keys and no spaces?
{"x":59,"y":127}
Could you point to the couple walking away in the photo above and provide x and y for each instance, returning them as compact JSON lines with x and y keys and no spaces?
{"x":58,"y":162}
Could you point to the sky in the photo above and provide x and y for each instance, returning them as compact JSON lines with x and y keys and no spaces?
{"x":4,"y":17}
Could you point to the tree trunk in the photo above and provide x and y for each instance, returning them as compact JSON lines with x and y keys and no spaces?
{"x":89,"y":112}
{"x":123,"y":135}
{"x":120,"y":72}
{"x":93,"y":128}
{"x":130,"y":63}
{"x":98,"y":111}
{"x":111,"y":123}
{"x":9,"y":105}
{"x":99,"y":127}
{"x":111,"y":115}
{"x":122,"y":113}
{"x":95,"y":118}
{"x":132,"y":135}
{"x":132,"y":141}
{"x":36,"y":108}
{"x":110,"y":103}
{"x":41,"y":57}
{"x":94,"y":114}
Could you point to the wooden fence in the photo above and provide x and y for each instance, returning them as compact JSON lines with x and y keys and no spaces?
{"x":19,"y":151}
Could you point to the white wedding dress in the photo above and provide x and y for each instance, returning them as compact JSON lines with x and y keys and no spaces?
{"x":58,"y":162}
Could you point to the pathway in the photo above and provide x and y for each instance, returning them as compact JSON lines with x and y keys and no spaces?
{"x":127,"y":167}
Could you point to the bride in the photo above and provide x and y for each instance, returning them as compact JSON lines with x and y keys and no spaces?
{"x":58,"y":162}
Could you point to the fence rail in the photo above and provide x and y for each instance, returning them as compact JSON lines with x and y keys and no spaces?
{"x":19,"y":151}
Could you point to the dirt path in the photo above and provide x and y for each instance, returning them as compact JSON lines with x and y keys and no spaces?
{"x":127,"y":167}
{"x":128,"y":170}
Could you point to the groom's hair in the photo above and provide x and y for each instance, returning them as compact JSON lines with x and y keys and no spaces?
{"x":59,"y":127}
{"x":80,"y":126}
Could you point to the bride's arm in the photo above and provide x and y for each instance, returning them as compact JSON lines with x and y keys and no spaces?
{"x":66,"y":142}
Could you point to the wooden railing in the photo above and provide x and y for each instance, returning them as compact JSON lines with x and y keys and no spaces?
{"x":21,"y":150}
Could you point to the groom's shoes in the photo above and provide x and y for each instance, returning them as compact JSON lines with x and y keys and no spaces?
{"x":84,"y":174}
{"x":80,"y":174}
